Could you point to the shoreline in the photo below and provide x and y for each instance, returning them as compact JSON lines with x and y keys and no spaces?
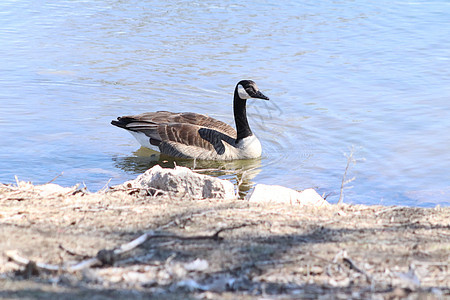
{"x":264,"y":250}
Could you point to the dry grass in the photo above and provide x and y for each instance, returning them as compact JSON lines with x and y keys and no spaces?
{"x":331,"y":252}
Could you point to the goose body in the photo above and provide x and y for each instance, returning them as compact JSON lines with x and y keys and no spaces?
{"x":192,"y":135}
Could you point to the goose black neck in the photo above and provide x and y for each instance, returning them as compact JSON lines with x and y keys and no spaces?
{"x":240,"y":117}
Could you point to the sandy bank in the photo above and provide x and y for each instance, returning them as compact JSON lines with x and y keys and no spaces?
{"x":219,"y":248}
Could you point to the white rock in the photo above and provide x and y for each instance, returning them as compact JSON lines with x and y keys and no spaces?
{"x":181,"y":181}
{"x":264,"y":193}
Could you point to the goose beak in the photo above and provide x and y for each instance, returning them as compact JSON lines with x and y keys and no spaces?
{"x":260,"y":95}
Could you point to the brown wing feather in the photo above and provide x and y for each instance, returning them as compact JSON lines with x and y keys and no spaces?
{"x":162,"y":118}
{"x":186,"y":134}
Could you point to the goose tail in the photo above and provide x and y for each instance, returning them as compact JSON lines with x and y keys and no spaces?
{"x":122,"y":122}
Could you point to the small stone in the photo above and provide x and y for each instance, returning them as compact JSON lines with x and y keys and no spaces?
{"x":197,"y":265}
{"x":51,"y":189}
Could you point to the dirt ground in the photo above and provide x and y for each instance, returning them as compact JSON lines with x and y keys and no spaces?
{"x":217,"y":249}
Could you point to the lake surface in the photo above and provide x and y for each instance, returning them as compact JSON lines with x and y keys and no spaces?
{"x":372,"y":76}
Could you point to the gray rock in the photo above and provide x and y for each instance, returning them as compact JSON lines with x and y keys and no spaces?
{"x":182,"y":182}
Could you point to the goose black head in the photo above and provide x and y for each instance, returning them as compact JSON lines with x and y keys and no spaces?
{"x":248,"y":89}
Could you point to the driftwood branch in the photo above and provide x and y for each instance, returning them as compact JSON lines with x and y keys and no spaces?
{"x":108,"y":257}
{"x":15,"y":257}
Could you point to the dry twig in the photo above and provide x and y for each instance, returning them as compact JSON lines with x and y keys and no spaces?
{"x":56,"y":177}
{"x":350,"y":160}
{"x":352,"y":266}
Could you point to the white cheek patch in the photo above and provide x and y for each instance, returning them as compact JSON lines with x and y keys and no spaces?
{"x":242,"y":93}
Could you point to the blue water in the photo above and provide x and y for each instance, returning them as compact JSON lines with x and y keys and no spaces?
{"x":372,"y":76}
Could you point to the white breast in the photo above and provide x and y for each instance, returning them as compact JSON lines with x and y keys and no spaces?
{"x":249,"y":147}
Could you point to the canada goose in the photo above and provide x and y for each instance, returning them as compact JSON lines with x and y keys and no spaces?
{"x":192,"y":135}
